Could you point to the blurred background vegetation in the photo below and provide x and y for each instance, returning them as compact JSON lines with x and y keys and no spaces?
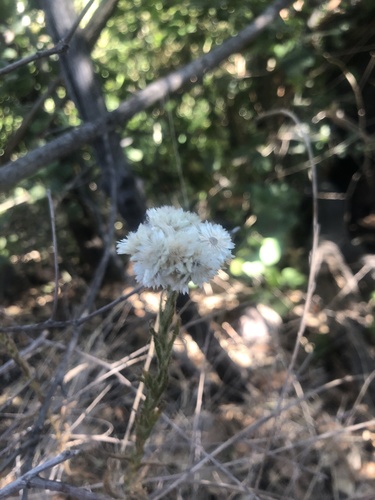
{"x":315,"y":60}
{"x":214,"y":145}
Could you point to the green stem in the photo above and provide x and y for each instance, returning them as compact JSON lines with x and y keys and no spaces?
{"x":157,"y":381}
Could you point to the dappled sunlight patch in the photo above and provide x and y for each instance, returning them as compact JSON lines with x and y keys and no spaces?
{"x":13,"y":310}
{"x":301,"y":425}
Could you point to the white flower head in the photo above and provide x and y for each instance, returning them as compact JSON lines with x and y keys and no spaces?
{"x":174,"y":218}
{"x":174,"y":247}
{"x":217,"y":239}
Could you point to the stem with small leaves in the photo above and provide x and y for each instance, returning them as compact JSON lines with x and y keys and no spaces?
{"x":155,"y":382}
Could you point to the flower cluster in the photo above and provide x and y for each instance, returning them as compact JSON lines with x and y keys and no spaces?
{"x":174,"y":247}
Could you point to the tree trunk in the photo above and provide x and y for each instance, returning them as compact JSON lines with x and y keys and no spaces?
{"x":84,"y":90}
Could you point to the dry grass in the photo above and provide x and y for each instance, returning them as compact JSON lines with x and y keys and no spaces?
{"x":304,"y":430}
{"x":313,"y":438}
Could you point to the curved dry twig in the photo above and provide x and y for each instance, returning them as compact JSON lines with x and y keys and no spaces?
{"x":314,"y":261}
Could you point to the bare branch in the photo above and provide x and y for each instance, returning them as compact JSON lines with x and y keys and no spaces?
{"x":71,"y":491}
{"x":98,"y":21}
{"x":14,"y":172}
{"x":23,"y":481}
{"x":49,"y":324}
{"x":55,"y":260}
{"x":60,"y":47}
{"x":250,"y":430}
{"x":91,"y":33}
{"x":18,"y":135}
{"x":314,"y":262}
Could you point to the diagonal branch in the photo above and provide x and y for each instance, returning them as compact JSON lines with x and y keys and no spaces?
{"x":90,"y":33}
{"x":59,"y":48}
{"x":22,"y":481}
{"x":13,"y":172}
{"x":98,"y":20}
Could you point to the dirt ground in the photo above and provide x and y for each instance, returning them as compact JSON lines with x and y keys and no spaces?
{"x":302,"y":429}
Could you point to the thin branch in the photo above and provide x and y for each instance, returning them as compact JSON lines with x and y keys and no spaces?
{"x":100,"y":271}
{"x":50,"y":324}
{"x":23,"y":481}
{"x":350,"y":78}
{"x":73,"y":492}
{"x":315,"y":238}
{"x":98,"y":20}
{"x":55,"y":254}
{"x":60,"y":47}
{"x":35,"y":432}
{"x":16,"y":137}
{"x":366,"y":167}
{"x":13,"y":172}
{"x":26,"y":353}
{"x":314,"y":262}
{"x":90,"y":32}
{"x":325,"y":435}
{"x":246,"y":433}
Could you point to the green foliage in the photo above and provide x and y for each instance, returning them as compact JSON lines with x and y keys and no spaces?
{"x":234,"y":167}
